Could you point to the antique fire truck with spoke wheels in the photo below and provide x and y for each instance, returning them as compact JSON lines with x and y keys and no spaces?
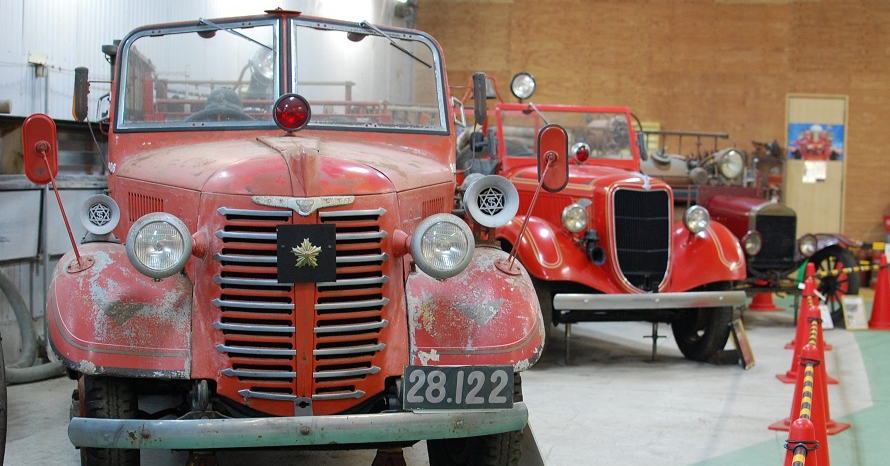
{"x":606,"y":248}
{"x":715,"y":178}
{"x":274,"y":265}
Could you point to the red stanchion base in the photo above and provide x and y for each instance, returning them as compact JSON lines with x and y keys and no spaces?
{"x":763,"y":302}
{"x":831,"y":427}
{"x":791,"y":377}
{"x":790,"y":345}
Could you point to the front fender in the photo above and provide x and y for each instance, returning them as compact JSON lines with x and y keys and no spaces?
{"x":714,"y":255}
{"x":110,"y":319}
{"x":551,"y":255}
{"x":826,"y":240}
{"x":481,"y":316}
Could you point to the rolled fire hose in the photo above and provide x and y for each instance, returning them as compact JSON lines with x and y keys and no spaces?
{"x":22,"y":370}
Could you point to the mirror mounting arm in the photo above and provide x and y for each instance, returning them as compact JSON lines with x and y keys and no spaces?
{"x":507,"y":265}
{"x":81,"y":264}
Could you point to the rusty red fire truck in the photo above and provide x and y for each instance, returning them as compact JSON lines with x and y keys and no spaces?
{"x":275,"y":265}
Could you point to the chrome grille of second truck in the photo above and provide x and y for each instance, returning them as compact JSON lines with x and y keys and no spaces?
{"x":268,"y":328}
{"x":642,"y":236}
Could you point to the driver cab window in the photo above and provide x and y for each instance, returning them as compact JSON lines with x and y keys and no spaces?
{"x":201,"y":77}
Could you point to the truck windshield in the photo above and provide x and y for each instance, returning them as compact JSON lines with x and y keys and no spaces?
{"x":607,"y":133}
{"x":222,"y":75}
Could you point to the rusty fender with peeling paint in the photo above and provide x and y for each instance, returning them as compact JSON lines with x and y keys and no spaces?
{"x":110,"y":319}
{"x":481,"y":316}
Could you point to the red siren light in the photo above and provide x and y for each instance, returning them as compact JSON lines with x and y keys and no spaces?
{"x":291,"y":112}
{"x":581,"y":151}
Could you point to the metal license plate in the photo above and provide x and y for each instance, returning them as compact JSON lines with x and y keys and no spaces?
{"x":458,"y":387}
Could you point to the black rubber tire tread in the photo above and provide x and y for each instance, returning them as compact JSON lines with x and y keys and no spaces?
{"x":109,"y":398}
{"x":822,"y":260}
{"x":486,"y":450}
{"x":713,"y":322}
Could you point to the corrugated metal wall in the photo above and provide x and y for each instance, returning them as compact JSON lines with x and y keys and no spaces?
{"x":70,"y":33}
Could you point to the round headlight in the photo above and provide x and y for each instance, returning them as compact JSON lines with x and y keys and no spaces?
{"x":263,"y":65}
{"x":159,"y":245}
{"x":442,"y":246}
{"x":752,"y":242}
{"x":522,"y":85}
{"x":574,"y":218}
{"x":731,"y":164}
{"x":807,"y":245}
{"x":697,"y":219}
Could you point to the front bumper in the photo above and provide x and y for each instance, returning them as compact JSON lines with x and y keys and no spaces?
{"x":684,"y":300}
{"x":357,"y":429}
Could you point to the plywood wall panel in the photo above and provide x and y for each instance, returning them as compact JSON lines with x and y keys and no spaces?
{"x":702,"y":65}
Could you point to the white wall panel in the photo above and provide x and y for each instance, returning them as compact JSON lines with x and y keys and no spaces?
{"x":71,"y":33}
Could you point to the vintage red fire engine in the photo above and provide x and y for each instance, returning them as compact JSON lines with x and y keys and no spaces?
{"x":606,"y":248}
{"x":275,"y":287}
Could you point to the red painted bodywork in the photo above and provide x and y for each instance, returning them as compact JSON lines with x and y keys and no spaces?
{"x":733,"y":211}
{"x":125,"y":324}
{"x":469,"y":319}
{"x":192,"y":174}
{"x":552,"y":253}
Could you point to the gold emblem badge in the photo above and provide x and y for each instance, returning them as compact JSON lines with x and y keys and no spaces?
{"x":307,"y":254}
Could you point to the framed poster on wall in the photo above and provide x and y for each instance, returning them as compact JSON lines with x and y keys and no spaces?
{"x":816,"y":127}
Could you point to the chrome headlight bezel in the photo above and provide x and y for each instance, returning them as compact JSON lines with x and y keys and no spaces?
{"x":731,"y":164}
{"x":421,"y":244}
{"x":575,"y":217}
{"x":752,"y":242}
{"x":696,"y":219}
{"x":134,"y":251}
{"x":807,"y":245}
{"x":522,"y":85}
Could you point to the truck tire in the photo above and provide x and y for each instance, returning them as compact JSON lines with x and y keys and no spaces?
{"x":702,"y":332}
{"x":835,"y":288}
{"x":486,"y":450}
{"x":109,"y":398}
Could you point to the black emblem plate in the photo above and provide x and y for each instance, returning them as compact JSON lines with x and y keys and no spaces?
{"x":307,"y":253}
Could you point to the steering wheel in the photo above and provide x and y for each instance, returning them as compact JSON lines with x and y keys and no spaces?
{"x":220,"y":113}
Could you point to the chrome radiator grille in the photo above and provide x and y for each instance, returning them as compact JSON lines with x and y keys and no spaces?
{"x":256,"y":312}
{"x":642,"y":236}
{"x":349,"y":311}
{"x":264,"y":323}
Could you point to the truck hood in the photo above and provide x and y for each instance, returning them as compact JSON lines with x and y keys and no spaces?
{"x":287,"y":166}
{"x":584,"y":179}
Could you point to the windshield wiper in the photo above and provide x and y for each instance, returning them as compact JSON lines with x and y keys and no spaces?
{"x":230,"y":31}
{"x":368,"y":25}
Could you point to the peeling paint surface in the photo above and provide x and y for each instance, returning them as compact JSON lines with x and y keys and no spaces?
{"x":110,"y":315}
{"x":480,"y":316}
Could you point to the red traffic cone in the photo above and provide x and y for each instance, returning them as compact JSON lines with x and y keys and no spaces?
{"x":880,"y":310}
{"x":809,"y":310}
{"x":801,"y":441}
{"x":817,"y":385}
{"x":763,"y":302}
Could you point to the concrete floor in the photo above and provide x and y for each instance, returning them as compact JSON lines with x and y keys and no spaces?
{"x":609,"y":406}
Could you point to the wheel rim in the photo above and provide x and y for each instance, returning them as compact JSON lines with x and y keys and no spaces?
{"x":834,"y":288}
